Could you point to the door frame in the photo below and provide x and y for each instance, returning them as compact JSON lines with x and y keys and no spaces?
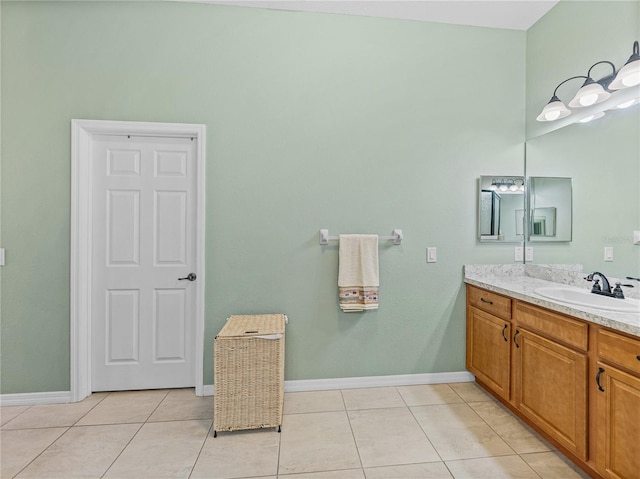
{"x":82,"y":132}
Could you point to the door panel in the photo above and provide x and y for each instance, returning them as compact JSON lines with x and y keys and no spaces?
{"x":123,"y":227}
{"x":170,"y":213}
{"x":143,"y":240}
{"x":122,"y":323}
{"x":169,"y":325}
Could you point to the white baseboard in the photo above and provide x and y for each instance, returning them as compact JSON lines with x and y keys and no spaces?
{"x":207,"y":390}
{"x":31,"y":399}
{"x":368,"y":382}
{"x":297,"y":385}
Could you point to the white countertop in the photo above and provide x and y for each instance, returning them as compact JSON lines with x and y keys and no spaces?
{"x":520,"y":286}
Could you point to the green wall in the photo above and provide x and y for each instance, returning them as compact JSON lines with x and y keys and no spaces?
{"x":314,"y":121}
{"x":603,"y":156}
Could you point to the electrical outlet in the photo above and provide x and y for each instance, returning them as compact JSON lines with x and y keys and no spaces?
{"x":518,"y":254}
{"x":432,"y":255}
{"x":528,"y":253}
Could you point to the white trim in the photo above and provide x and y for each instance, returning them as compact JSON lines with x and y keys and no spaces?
{"x":368,"y":382}
{"x":25,"y":399}
{"x":29,"y":399}
{"x":82,"y":132}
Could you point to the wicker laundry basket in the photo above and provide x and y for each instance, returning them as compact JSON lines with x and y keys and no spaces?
{"x":249,"y":373}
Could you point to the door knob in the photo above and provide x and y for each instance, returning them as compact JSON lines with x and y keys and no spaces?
{"x":190,"y":277}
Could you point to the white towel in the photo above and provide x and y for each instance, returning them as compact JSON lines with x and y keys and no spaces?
{"x":358,"y":272}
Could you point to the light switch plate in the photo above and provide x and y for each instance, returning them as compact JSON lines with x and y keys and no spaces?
{"x":636,"y":237}
{"x":432,"y":255}
{"x":528,"y":253}
{"x":518,"y":254}
{"x":1,"y":256}
{"x":608,"y":253}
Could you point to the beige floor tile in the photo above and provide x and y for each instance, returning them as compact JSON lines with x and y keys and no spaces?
{"x":372,"y":398}
{"x":83,"y":452}
{"x":388,"y":437}
{"x":7,"y":413}
{"x":457,"y":432}
{"x":18,"y":447}
{"x":54,"y":415}
{"x":317,"y":442}
{"x":313,"y":401}
{"x":505,"y":467}
{"x":162,"y":449}
{"x":520,"y":437}
{"x":238,"y":454}
{"x":183,"y":404}
{"x":124,"y":407}
{"x":429,"y":470}
{"x":471,"y":392}
{"x":343,"y":474}
{"x":553,"y":465}
{"x":427,"y":394}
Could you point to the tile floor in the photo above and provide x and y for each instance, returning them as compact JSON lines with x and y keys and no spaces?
{"x":431,"y":431}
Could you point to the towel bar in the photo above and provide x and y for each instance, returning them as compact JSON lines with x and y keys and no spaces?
{"x":396,"y":237}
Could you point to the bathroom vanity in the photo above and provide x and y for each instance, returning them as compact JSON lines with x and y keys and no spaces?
{"x":571,"y":372}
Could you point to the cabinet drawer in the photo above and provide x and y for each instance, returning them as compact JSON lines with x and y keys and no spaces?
{"x":490,"y":302}
{"x":553,"y":325}
{"x":619,"y":350}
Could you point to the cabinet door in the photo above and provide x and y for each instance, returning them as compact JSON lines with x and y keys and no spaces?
{"x":488,"y":350}
{"x":618,"y":428}
{"x":551,"y":388}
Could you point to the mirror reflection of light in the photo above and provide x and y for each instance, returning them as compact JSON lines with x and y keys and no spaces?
{"x":627,"y":104}
{"x":595,"y":116}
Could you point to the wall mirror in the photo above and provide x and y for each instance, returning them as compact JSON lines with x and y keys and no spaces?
{"x":550,"y":209}
{"x":601,"y":157}
{"x":501,"y":209}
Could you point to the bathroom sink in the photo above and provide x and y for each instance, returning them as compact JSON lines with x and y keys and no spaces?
{"x":566,"y":294}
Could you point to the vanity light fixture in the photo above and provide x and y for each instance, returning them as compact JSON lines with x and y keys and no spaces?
{"x":592,"y":92}
{"x":509,"y":184}
{"x":629,"y":74}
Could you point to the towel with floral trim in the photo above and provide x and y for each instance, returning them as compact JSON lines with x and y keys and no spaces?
{"x":358,"y":273}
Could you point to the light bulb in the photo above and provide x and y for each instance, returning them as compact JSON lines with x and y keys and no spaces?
{"x":503,"y":188}
{"x":631,"y":80}
{"x":552,"y":115}
{"x":588,"y":100}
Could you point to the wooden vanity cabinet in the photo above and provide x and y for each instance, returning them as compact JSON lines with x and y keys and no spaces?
{"x":541,"y":372}
{"x":551,"y":374}
{"x":488,"y":344}
{"x":617,"y":405}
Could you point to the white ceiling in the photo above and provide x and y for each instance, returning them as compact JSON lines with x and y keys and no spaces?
{"x":511,"y":14}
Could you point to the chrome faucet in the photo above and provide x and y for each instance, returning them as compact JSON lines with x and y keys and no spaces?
{"x":605,"y":290}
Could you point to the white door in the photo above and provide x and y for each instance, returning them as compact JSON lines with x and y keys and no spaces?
{"x":143,"y":243}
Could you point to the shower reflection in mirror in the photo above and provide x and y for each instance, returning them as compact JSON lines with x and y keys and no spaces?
{"x":500,"y":197}
{"x":503,"y":215}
